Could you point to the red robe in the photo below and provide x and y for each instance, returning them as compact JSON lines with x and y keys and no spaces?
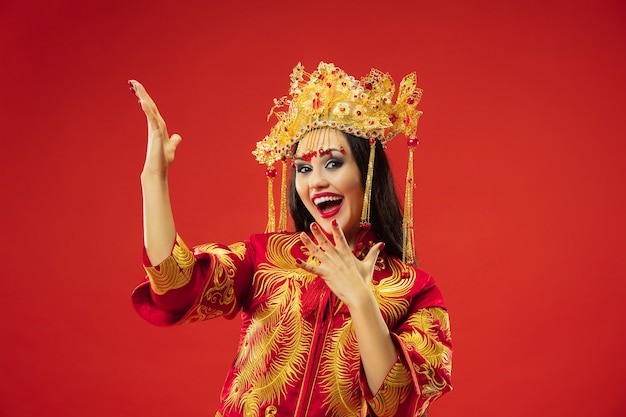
{"x":298,"y":354}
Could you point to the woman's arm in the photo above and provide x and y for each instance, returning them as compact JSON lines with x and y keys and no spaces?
{"x":159,"y":228}
{"x":378,"y":353}
{"x":349,"y":279}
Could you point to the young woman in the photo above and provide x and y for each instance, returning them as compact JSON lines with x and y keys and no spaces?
{"x":335,"y":320}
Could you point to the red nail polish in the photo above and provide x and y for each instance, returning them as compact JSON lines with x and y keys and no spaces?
{"x":132,"y":87}
{"x":382,"y":246}
{"x":334,"y":222}
{"x":314,"y":226}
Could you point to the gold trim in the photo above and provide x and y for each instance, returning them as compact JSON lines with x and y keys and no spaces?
{"x":173,"y":272}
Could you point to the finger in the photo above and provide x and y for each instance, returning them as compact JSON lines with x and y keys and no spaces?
{"x":147,"y":103}
{"x":372,"y":254}
{"x":308,"y":242}
{"x":338,"y":236}
{"x":307,"y":266}
{"x":175,"y":140}
{"x":314,"y":249}
{"x":316,"y":231}
{"x":140,"y":91}
{"x":320,"y":236}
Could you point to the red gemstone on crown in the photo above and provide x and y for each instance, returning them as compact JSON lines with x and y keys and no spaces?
{"x":412,"y":141}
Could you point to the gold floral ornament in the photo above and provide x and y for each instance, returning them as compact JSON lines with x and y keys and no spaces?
{"x":329,"y":97}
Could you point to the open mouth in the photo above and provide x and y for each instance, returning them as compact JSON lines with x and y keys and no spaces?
{"x":328,"y":205}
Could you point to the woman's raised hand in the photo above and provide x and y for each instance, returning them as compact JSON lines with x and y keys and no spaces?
{"x":159,"y":228}
{"x":161,"y":147}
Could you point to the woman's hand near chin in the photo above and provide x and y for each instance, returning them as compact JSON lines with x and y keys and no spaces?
{"x":348,"y":277}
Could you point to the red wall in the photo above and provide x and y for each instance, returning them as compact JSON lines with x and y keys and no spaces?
{"x":519,"y":206}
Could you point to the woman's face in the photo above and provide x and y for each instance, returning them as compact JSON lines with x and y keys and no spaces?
{"x":328,"y":180}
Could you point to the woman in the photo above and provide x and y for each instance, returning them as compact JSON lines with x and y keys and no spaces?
{"x":335,"y":321}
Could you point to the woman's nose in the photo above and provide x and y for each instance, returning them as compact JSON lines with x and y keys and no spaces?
{"x":317,"y":179}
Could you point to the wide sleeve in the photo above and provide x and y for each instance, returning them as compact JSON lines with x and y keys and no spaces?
{"x":423,"y":367}
{"x":195,"y":284}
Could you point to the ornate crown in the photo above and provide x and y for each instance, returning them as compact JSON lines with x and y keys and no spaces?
{"x":329,"y":97}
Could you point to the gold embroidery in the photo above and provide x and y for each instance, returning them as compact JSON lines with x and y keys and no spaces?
{"x":432,"y":329}
{"x":391,"y":292}
{"x":340,"y":365}
{"x":174,"y":272}
{"x":435,"y":326}
{"x":274,"y":350}
{"x":341,"y":359}
{"x":220,"y":289}
{"x":395,"y":390}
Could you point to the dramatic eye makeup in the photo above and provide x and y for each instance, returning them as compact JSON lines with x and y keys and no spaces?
{"x":302,"y":167}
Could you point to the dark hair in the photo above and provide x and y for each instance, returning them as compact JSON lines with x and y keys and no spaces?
{"x":385,"y":212}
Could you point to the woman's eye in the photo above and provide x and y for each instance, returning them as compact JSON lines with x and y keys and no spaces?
{"x":301,"y":169}
{"x":334,"y":163}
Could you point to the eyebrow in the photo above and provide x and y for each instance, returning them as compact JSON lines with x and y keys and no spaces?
{"x":300,"y":158}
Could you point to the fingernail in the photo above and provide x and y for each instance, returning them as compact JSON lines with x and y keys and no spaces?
{"x":334,"y":222}
{"x":132,"y":87}
{"x":314,"y":226}
{"x":382,"y":246}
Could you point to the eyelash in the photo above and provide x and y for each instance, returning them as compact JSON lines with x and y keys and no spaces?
{"x":336,"y":162}
{"x":330,"y":164}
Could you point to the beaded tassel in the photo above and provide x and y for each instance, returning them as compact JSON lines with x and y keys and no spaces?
{"x":365,"y":213}
{"x":271,"y":210}
{"x":408,"y":237}
{"x":282,"y":222}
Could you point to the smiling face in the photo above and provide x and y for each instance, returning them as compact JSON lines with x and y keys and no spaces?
{"x":328,"y":180}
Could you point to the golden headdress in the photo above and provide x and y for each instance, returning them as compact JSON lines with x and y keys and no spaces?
{"x":329,"y":97}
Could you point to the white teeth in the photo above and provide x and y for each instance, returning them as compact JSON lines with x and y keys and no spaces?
{"x":326,"y":199}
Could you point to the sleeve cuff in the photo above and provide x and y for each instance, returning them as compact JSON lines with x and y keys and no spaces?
{"x":396,"y":387}
{"x":174,"y":271}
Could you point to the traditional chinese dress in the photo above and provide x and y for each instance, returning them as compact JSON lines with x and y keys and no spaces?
{"x":298,"y":354}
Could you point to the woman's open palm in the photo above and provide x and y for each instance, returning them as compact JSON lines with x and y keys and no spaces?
{"x":161,"y":147}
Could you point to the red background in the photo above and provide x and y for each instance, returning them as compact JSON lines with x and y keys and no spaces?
{"x":519,"y":206}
